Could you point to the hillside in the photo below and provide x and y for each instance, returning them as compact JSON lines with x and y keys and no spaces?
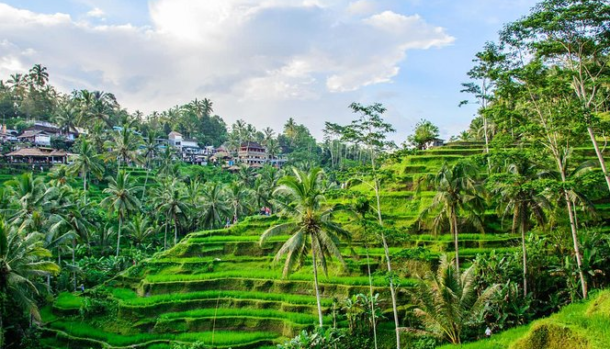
{"x":577,"y":326}
{"x":221,"y":288}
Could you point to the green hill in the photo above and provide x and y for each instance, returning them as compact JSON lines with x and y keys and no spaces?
{"x":577,"y":326}
{"x":221,"y":288}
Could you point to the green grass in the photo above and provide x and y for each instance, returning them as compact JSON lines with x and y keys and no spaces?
{"x":267,"y":275}
{"x":130,"y":298}
{"x":68,"y":301}
{"x":297,"y":318}
{"x":582,"y":325}
{"x":221,"y":338}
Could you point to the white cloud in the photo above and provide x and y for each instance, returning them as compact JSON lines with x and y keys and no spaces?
{"x":361,"y":7}
{"x":248,"y":56}
{"x":96,"y":13}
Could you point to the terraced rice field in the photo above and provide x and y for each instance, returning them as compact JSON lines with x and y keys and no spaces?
{"x":222,"y":288}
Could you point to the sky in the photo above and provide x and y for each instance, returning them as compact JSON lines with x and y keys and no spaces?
{"x":263,"y":61}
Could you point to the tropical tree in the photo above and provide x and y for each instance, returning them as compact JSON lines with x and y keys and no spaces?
{"x":457,"y":194}
{"x":124,"y":145}
{"x":86,"y":162}
{"x":30,"y":201}
{"x":172,"y":201}
{"x":311,"y":226}
{"x":239,"y":196}
{"x":39,"y":75}
{"x":22,"y":265}
{"x":572,"y":35}
{"x":518,"y":193}
{"x":447,"y":300}
{"x":140,"y":229}
{"x":371,"y":131}
{"x":424,"y":132}
{"x":215,"y":205}
{"x":121,"y":200}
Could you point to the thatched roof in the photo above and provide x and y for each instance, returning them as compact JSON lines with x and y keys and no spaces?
{"x":37,"y":152}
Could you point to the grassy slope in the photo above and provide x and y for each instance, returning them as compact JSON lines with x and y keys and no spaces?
{"x":223,"y":281}
{"x":577,"y":326}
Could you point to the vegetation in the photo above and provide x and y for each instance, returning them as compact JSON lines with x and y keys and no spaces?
{"x":130,"y":244}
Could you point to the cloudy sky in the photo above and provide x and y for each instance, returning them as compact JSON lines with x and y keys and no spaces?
{"x":262,"y":60}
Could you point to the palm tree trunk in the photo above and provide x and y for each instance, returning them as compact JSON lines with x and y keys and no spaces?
{"x":85,"y":181}
{"x":523,"y":228}
{"x":373,"y":322}
{"x":145,"y":181}
{"x":175,"y":231}
{"x":118,"y":241}
{"x":315,"y":281}
{"x":454,"y":232}
{"x":165,"y":237}
{"x":600,"y":156}
{"x":74,"y":263}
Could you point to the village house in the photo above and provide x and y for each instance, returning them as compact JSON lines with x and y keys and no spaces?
{"x":252,"y":154}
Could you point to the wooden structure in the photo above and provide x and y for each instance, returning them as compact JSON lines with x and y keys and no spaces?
{"x":37,"y":156}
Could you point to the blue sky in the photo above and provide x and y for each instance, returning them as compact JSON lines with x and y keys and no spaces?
{"x":262,"y":61}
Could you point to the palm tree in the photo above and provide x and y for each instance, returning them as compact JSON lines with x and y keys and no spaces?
{"x":215,"y":205}
{"x":86,"y":162}
{"x":447,"y":300}
{"x":22,"y":263}
{"x":172,"y":202}
{"x":66,"y":116}
{"x":290,"y":129}
{"x":30,"y":198}
{"x":124,"y":145}
{"x":97,"y":105}
{"x":121,"y":199}
{"x":457,"y":193}
{"x":312,"y":227}
{"x":139,"y":229}
{"x":239,"y":199}
{"x":518,"y":195}
{"x":149,"y":151}
{"x":39,"y":75}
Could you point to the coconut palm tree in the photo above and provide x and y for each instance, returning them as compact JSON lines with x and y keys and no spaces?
{"x":518,"y":195}
{"x":149,"y":151}
{"x":215,"y":205}
{"x":312,"y":227}
{"x":30,"y":201}
{"x":124,"y":145}
{"x":172,"y":201}
{"x":86,"y":162}
{"x":39,"y":75}
{"x":447,"y":300}
{"x":239,"y":197}
{"x":457,"y":193}
{"x":22,"y":264}
{"x":140,"y":229}
{"x":121,"y":200}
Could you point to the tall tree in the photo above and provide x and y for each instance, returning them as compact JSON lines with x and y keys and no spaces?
{"x":22,"y":263}
{"x":489,"y":64}
{"x":86,"y":162}
{"x":573,"y":35}
{"x":311,"y":226}
{"x":519,"y":194}
{"x":457,"y":194}
{"x":121,"y":200}
{"x":371,"y":131}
